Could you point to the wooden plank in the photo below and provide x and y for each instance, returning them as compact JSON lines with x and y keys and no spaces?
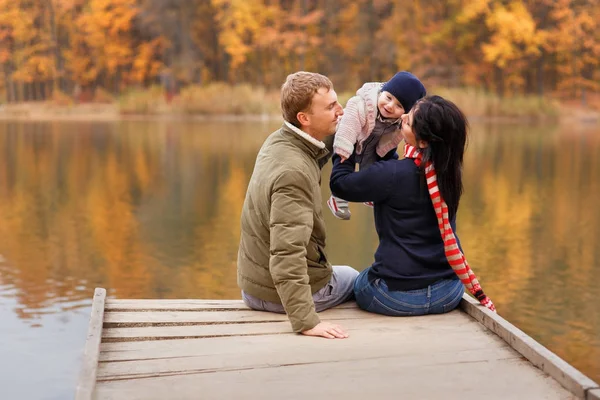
{"x":257,"y":352}
{"x":187,"y":305}
{"x":372,"y":378}
{"x":593,"y":394}
{"x":193,"y":331}
{"x":415,"y":335}
{"x":176,"y":304}
{"x":175,"y":301}
{"x":140,"y":369}
{"x":569,"y":377}
{"x":87,"y":379}
{"x":221,"y":349}
{"x":265,"y":328}
{"x":118,"y":318}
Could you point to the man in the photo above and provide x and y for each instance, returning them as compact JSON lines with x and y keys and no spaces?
{"x":282,"y":266}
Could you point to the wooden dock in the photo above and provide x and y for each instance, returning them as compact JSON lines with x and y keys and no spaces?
{"x":219,"y":349}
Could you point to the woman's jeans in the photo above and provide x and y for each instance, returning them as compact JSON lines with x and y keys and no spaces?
{"x":441,"y":297}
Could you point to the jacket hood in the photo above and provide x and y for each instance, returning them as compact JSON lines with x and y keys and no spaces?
{"x":369,"y":92}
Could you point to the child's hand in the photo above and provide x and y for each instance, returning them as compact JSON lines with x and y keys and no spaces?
{"x":343,"y":159}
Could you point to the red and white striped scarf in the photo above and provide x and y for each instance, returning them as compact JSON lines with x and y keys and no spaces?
{"x":455,"y":257}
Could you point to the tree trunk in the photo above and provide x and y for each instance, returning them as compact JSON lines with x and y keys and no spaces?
{"x":185,"y":40}
{"x":9,"y":83}
{"x":540,"y":65}
{"x":367,"y":25}
{"x":499,"y":81}
{"x":59,"y":78}
{"x":117,"y":81}
{"x":587,"y":73}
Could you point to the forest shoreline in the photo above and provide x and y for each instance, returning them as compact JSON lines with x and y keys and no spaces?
{"x":99,"y":112}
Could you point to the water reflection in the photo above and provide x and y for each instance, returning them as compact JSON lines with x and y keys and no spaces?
{"x":531,"y":227}
{"x":152,"y":209}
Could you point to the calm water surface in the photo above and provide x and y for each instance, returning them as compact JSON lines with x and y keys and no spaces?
{"x":152,"y":209}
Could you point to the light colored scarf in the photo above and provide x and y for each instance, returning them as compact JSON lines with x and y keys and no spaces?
{"x":455,"y":257}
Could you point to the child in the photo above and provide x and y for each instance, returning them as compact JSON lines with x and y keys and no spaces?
{"x":371,"y":122}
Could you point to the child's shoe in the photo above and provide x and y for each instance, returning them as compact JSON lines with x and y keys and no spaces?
{"x":339,"y":207}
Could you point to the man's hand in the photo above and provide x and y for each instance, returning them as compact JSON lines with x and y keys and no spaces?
{"x":327,"y":330}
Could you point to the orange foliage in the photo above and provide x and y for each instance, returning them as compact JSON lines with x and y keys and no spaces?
{"x":510,"y":46}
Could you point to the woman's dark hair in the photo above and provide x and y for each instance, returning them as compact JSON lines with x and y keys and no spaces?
{"x":443,"y":126}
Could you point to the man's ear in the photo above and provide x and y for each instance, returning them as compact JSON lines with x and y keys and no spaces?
{"x":303,"y":118}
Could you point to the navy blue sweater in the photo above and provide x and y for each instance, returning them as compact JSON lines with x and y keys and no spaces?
{"x":410,"y":254}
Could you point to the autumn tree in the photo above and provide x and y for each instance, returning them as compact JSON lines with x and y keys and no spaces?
{"x":506,"y":46}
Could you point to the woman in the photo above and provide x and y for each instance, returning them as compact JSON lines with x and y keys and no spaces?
{"x":419,"y":266}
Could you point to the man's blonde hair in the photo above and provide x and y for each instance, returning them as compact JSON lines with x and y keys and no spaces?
{"x":297,"y":93}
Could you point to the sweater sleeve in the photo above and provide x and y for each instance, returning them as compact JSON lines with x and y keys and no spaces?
{"x":350,"y":127}
{"x":371,"y":184}
{"x":291,"y":224}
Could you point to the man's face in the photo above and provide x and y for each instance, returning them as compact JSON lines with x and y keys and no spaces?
{"x":324,"y":114}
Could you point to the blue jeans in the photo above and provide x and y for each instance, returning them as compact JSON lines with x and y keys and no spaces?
{"x":441,"y":297}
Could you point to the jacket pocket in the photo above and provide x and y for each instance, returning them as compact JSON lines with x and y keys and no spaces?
{"x":322,"y":256}
{"x":313,"y":255}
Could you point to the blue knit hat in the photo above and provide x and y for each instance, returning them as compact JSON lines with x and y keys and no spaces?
{"x":406,"y":87}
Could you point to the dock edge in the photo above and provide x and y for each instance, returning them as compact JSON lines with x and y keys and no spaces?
{"x":568,"y":376}
{"x":87,"y":377}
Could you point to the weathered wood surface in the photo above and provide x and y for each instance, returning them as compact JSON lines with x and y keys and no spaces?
{"x":593,"y":394}
{"x":190,"y":349}
{"x":537,"y":354}
{"x":87,"y":377}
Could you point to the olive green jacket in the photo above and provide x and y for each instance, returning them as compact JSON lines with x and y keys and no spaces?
{"x":281,"y":257}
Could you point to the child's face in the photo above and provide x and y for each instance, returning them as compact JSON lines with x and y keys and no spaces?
{"x":389,"y":106}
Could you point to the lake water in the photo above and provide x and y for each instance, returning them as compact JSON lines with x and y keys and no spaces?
{"x":152,"y":210}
